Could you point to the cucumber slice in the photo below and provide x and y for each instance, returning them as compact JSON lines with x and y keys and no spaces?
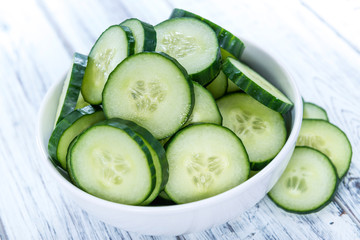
{"x":204,"y":160}
{"x":152,"y":90}
{"x":71,"y":89}
{"x":313,"y":111}
{"x":261,"y":129}
{"x":231,"y":44}
{"x":158,"y":155}
{"x":81,"y":103}
{"x":193,"y":44}
{"x":143,"y":33}
{"x":113,"y":46}
{"x":328,"y":139}
{"x":111,"y":161}
{"x":218,"y":86}
{"x":205,"y":108}
{"x":232,"y":87}
{"x":308,"y":183}
{"x":68,"y":128}
{"x":256,"y":86}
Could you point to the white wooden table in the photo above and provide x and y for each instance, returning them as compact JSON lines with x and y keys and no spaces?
{"x":318,"y":42}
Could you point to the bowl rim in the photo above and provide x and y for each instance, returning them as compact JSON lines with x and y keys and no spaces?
{"x":291,"y":140}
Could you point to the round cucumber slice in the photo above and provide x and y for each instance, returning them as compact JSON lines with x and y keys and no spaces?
{"x":328,"y":139}
{"x":111,"y":161}
{"x":192,"y":43}
{"x":113,"y":46}
{"x":261,"y":129}
{"x":218,"y":86}
{"x":68,"y":128}
{"x":256,"y":86}
{"x":204,"y":160}
{"x":313,"y":111}
{"x":152,"y":90}
{"x":230,"y":44}
{"x":143,"y":33}
{"x":308,"y":183}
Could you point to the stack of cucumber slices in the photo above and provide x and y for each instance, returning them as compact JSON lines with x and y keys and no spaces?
{"x":170,"y":114}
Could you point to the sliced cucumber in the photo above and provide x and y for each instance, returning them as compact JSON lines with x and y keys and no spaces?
{"x":204,"y":160}
{"x":231,"y":44}
{"x":143,"y":33}
{"x":313,"y":111}
{"x":328,"y":139}
{"x":261,"y":129}
{"x":71,"y":89}
{"x":256,"y":86}
{"x":113,"y":46}
{"x":158,"y":155}
{"x":218,"y":86}
{"x":111,"y":161}
{"x":193,"y":44}
{"x":68,"y":128}
{"x":205,"y":108}
{"x":152,"y":90}
{"x":308,"y":183}
{"x":232,"y":87}
{"x":81,"y":103}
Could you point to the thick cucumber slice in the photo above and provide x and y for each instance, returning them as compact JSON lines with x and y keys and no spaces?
{"x":256,"y":86}
{"x":68,"y":128}
{"x":152,"y":90}
{"x":261,"y":129}
{"x":218,"y":86}
{"x":72,"y":85}
{"x":205,"y":108}
{"x":313,"y":111}
{"x":232,"y":87}
{"x":193,"y":44}
{"x":307,"y":184}
{"x":230,"y":44}
{"x":111,"y":161}
{"x":143,"y":33}
{"x":328,"y":139}
{"x":113,"y":46}
{"x":204,"y":160}
{"x":158,"y":155}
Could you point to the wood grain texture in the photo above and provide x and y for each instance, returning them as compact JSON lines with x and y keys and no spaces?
{"x":318,"y":45}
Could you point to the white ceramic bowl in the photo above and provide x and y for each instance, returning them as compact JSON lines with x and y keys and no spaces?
{"x":191,"y":217}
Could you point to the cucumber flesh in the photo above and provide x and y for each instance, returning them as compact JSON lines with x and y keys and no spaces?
{"x":107,"y":161}
{"x":313,"y":111}
{"x":152,"y":90}
{"x":308,"y":183}
{"x":261,"y":129}
{"x":71,"y":89}
{"x":256,"y":86}
{"x":230,"y":44}
{"x":205,"y":109}
{"x":204,"y":160}
{"x":193,"y":44}
{"x":111,"y":48}
{"x":68,"y":128}
{"x":218,"y":86}
{"x":328,"y":139}
{"x":143,"y":33}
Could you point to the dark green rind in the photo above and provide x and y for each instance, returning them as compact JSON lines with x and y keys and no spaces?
{"x":182,"y":70}
{"x":316,"y":208}
{"x":68,"y":162}
{"x":149,"y":35}
{"x":130,"y":51}
{"x":129,"y":131}
{"x":62,"y":126}
{"x":74,"y":87}
{"x":205,"y":76}
{"x":347,"y":140}
{"x":163,"y":171}
{"x":253,"y":89}
{"x":227,"y":40}
{"x":316,"y":106}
